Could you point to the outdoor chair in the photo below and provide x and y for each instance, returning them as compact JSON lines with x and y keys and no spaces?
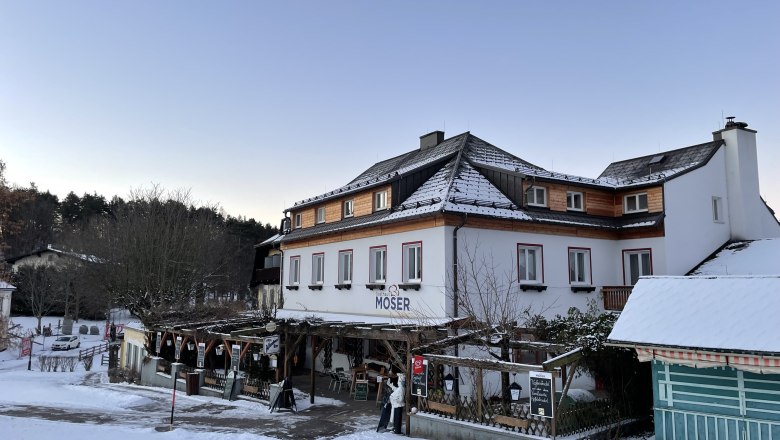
{"x":342,"y":378}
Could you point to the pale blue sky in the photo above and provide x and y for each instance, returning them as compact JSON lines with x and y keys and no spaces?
{"x":256,"y":105}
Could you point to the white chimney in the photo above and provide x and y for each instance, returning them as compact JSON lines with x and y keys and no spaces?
{"x":748,"y":215}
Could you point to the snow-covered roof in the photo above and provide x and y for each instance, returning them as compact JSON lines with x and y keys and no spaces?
{"x":302,"y":315}
{"x":60,"y":252}
{"x":4,"y":285}
{"x":757,"y":257}
{"x":718,"y":313}
{"x":274,"y":239}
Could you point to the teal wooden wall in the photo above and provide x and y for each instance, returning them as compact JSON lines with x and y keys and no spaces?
{"x":715,"y":403}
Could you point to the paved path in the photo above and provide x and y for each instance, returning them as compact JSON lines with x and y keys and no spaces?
{"x":315,"y":422}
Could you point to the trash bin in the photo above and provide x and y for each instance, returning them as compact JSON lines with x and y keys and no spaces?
{"x":193,"y":383}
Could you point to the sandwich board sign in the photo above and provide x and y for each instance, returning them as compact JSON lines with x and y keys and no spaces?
{"x":419,"y":376}
{"x":542,"y":389}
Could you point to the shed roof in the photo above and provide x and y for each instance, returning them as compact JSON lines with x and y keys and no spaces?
{"x":718,"y":313}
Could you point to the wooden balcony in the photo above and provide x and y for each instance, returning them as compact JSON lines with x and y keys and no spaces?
{"x":615,"y":297}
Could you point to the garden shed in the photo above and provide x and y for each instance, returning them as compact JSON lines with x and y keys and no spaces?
{"x":715,"y":352}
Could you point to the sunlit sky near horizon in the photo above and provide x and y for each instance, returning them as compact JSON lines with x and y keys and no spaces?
{"x":256,"y":105}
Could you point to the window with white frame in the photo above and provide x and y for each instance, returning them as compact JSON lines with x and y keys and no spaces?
{"x":412,"y":261}
{"x":318,"y":268}
{"x":321,"y":214}
{"x":380,"y":200}
{"x":529,"y":263}
{"x":574,"y":201}
{"x":345,"y":267}
{"x":637,"y":263}
{"x":717,"y":210}
{"x":537,"y":196}
{"x":297,"y":220}
{"x":378,"y":264}
{"x":579,"y":266}
{"x":349,"y":208}
{"x":295,"y":271}
{"x":635,"y":203}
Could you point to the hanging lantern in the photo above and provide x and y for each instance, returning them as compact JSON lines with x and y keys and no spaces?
{"x":256,"y":356}
{"x":449,"y":382}
{"x":190,"y":346}
{"x":273,"y":362}
{"x":514,"y":391}
{"x":220,"y":348}
{"x":168,"y":342}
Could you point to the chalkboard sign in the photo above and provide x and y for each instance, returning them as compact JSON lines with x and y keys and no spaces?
{"x":158,"y":342}
{"x":542,"y":392}
{"x":201,"y":353}
{"x":235,"y":358}
{"x":361,"y":390}
{"x":230,"y":379}
{"x":419,"y":376}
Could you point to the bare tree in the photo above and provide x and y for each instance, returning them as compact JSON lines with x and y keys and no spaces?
{"x":159,"y":253}
{"x":39,"y":289}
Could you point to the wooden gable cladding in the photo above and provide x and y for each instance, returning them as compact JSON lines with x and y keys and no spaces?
{"x":373,"y":231}
{"x":655,"y":200}
{"x":595,"y":202}
{"x":565,"y":230}
{"x":334,"y":209}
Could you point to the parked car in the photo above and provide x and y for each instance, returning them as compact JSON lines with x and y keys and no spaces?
{"x":66,"y":342}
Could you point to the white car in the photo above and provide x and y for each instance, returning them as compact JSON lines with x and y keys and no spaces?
{"x":66,"y":342}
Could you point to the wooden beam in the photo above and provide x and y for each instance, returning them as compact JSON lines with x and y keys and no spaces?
{"x":564,"y":359}
{"x":486,"y":364}
{"x":396,"y":359}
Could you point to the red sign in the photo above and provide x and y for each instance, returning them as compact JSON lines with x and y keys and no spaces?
{"x":417,"y":365}
{"x":24,"y":349}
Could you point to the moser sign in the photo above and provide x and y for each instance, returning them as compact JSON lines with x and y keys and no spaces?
{"x":392,"y":300}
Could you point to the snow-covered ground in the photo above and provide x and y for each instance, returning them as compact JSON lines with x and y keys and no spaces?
{"x":69,"y":405}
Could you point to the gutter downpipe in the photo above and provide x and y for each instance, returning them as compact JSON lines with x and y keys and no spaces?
{"x":455,"y":292}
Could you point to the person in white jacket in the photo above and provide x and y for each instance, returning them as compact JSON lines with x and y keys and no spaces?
{"x":397,"y":398}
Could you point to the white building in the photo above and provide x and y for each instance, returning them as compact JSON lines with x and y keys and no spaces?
{"x":387,"y":243}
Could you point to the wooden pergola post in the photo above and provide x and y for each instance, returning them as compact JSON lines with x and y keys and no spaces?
{"x":479,"y":394}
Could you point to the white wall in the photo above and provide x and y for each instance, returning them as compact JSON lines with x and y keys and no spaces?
{"x":606,"y":264}
{"x":429,"y":301}
{"x":691,"y":232}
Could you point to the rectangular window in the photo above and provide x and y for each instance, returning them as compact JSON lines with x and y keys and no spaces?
{"x":529,"y":263}
{"x":297,"y":221}
{"x":321,"y":214}
{"x":295,"y":270}
{"x":349,"y":208}
{"x":717,"y":210}
{"x":574,"y":201}
{"x":579,"y":266}
{"x":378,"y":264}
{"x":345,"y":267}
{"x":637,"y":263}
{"x":635,"y":203}
{"x":380,"y":200}
{"x":318,"y":268}
{"x":537,"y":196}
{"x":412,"y":262}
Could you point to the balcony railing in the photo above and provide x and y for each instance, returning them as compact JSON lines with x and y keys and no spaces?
{"x":615,"y":297}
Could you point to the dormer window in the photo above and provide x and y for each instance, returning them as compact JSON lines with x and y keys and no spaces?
{"x":298,"y":220}
{"x":321,"y":214}
{"x":635,"y":203}
{"x":574,"y":201}
{"x":380,"y":200}
{"x":349,"y":208}
{"x":537,"y":196}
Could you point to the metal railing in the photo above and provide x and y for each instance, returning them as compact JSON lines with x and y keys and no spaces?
{"x":615,"y":297}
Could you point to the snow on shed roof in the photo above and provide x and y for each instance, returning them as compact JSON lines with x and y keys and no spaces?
{"x":757,"y":257}
{"x":722,"y":313}
{"x":4,"y":285}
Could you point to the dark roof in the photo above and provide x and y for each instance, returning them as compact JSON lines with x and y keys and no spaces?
{"x":364,"y":220}
{"x":582,"y":219}
{"x":669,"y":163}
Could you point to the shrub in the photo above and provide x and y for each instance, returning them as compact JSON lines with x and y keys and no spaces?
{"x":83,"y":329}
{"x":94,"y":330}
{"x":87,"y":361}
